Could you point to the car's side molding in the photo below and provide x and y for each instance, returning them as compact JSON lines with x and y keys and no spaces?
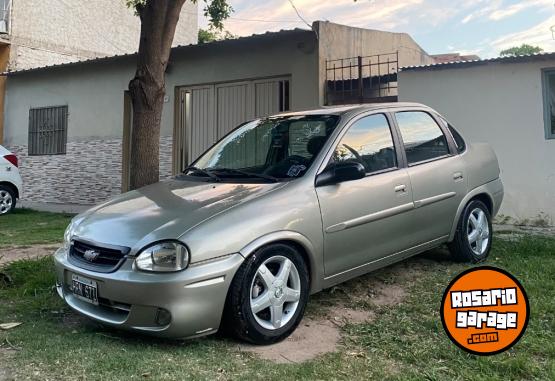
{"x":493,"y":190}
{"x":386,"y":213}
{"x":433,"y":199}
{"x":370,"y":218}
{"x":314,"y":254}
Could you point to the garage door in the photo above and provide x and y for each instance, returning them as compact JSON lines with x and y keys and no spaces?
{"x":209,"y":112}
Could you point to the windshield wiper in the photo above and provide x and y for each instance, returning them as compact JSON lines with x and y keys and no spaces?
{"x":248,"y":174}
{"x":202,"y":172}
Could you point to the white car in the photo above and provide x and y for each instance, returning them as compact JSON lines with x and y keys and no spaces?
{"x":10,"y":181}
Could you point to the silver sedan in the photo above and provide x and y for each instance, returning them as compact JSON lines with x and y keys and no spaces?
{"x":280,"y":208}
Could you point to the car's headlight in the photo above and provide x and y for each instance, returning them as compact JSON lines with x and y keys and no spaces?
{"x":67,"y":236}
{"x":168,"y":256}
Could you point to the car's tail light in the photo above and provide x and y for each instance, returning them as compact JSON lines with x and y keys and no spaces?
{"x":12,"y":159}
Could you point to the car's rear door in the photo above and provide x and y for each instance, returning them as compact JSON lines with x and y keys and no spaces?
{"x":363,"y":218}
{"x":436,"y":172}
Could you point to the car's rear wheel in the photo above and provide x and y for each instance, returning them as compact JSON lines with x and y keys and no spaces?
{"x":472,"y":242}
{"x":7,"y":199}
{"x":268,"y":295}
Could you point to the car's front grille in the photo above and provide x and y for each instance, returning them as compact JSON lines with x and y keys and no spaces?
{"x":100,"y":258}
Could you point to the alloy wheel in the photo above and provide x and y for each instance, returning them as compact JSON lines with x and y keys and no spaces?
{"x":275,"y":292}
{"x":478,"y":233}
{"x":6,"y":201}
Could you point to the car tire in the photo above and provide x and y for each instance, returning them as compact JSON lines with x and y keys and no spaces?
{"x":7,"y":199}
{"x":473,"y":237}
{"x":260,"y":287}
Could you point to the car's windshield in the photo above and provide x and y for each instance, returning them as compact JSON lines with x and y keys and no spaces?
{"x":271,"y":149}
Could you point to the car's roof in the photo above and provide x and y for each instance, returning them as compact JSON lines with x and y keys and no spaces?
{"x":354,"y":109}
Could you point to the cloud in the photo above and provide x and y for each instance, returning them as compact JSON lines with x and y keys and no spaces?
{"x":539,"y":35}
{"x":497,"y":10}
{"x":491,"y":6}
{"x":514,"y":9}
{"x":376,"y":14}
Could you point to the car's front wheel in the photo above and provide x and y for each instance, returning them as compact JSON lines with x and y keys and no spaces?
{"x":472,"y":242}
{"x":7,"y":199}
{"x":268,"y":295}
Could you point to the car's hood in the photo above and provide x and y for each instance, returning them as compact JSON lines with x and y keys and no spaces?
{"x":164,"y":210}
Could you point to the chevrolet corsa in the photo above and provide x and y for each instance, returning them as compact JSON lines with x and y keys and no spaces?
{"x":280,"y":208}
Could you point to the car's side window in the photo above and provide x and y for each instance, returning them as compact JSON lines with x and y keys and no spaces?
{"x":459,"y":141}
{"x":422,"y":137}
{"x":369,"y":142}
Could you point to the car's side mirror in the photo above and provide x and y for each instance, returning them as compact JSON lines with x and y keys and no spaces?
{"x":340,"y":172}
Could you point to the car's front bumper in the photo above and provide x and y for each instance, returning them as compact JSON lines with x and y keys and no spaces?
{"x":134,"y":300}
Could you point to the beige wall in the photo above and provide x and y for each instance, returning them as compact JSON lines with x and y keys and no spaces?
{"x":337,"y":41}
{"x":45,"y":32}
{"x":501,"y":104}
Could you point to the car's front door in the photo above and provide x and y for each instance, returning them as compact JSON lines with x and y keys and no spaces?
{"x":436,"y":172}
{"x":364,"y":219}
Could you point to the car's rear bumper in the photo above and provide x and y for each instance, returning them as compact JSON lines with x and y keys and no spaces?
{"x":135,"y":300}
{"x":497,"y":195}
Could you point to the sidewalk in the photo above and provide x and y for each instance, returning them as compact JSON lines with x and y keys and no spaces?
{"x":54,"y":208}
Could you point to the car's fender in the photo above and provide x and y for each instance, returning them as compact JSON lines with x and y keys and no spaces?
{"x":493,"y":190}
{"x":315,"y":264}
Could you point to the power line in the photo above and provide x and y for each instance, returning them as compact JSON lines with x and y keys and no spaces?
{"x":250,"y":20}
{"x":299,"y":14}
{"x":267,"y":21}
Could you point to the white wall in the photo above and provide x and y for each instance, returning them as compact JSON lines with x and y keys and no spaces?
{"x":502,"y":104}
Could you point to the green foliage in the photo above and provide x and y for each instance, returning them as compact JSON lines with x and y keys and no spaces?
{"x":521,"y":50}
{"x":46,"y":227}
{"x":216,"y":11}
{"x":211,"y":34}
{"x":404,"y":341}
{"x":135,"y":3}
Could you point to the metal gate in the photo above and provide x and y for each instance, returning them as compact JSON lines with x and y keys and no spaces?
{"x":208,"y":112}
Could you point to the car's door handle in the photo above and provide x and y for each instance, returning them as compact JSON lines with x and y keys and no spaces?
{"x":458,"y":176}
{"x":400,"y":188}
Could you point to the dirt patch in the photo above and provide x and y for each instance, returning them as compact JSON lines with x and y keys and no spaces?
{"x":5,"y":358}
{"x":320,"y":331}
{"x":75,"y":321}
{"x":312,"y":338}
{"x":344,"y":315}
{"x":16,"y":253}
{"x":389,"y":295}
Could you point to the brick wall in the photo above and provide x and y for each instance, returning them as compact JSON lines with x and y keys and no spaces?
{"x":89,"y":173}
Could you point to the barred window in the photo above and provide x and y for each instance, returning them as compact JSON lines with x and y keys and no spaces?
{"x":48,"y":130}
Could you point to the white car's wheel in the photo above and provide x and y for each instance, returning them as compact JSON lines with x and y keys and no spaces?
{"x":268,"y":295}
{"x":7,"y":200}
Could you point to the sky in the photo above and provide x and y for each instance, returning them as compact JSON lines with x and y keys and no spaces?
{"x":482,"y":27}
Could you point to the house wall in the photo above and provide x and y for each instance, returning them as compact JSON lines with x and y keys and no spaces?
{"x":45,"y":32}
{"x":91,"y":170}
{"x":502,"y":104}
{"x":337,"y":41}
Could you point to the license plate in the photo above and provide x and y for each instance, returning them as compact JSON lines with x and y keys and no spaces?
{"x":84,"y":289}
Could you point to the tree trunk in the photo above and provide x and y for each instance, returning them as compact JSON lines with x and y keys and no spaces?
{"x":147,"y":89}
